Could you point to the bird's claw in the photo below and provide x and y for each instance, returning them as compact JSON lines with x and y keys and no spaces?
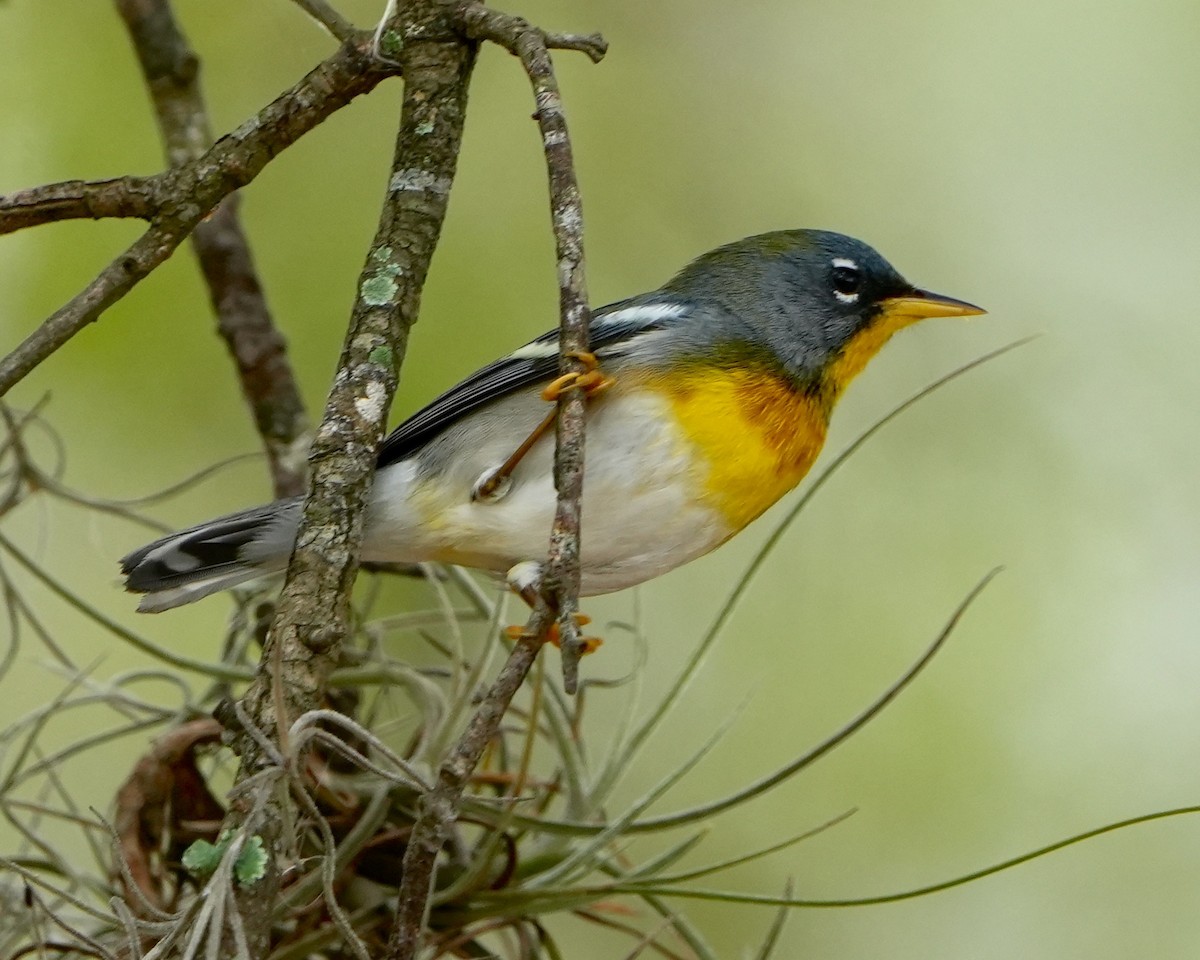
{"x":590,"y":380}
{"x":553,"y":635}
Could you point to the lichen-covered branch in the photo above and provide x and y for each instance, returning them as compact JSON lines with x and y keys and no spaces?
{"x":312,"y":618}
{"x":313,"y":615}
{"x":189,"y":193}
{"x":244,"y":321}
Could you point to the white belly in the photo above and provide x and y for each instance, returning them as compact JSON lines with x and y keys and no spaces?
{"x":642,"y":514}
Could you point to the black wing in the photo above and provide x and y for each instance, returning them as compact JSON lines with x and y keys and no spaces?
{"x":530,"y":364}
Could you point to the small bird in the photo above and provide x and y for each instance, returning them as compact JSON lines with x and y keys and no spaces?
{"x":708,"y":400}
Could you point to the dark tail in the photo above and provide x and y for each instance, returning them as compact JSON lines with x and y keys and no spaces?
{"x":212,"y":556}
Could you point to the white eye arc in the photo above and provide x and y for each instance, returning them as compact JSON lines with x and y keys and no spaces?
{"x":847,"y":279}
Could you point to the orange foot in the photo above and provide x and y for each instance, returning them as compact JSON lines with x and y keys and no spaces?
{"x":589,"y":644}
{"x":591,"y":381}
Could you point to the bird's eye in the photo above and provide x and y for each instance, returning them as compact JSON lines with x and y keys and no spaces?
{"x":847,"y":280}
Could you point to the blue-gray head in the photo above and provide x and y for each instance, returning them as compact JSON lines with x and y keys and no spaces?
{"x":822,"y":302}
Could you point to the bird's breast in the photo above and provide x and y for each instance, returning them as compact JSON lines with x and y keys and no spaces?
{"x":757,"y":432}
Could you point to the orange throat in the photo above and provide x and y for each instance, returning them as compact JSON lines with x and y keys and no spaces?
{"x":860,"y":348}
{"x":757,"y":432}
{"x":757,"y":435}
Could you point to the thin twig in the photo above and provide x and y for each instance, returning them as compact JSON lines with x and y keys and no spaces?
{"x":146,"y":253}
{"x":258,"y":349}
{"x":562,"y":580}
{"x":192,"y":191}
{"x":438,"y":809}
{"x":328,"y":17}
{"x":593,"y":45}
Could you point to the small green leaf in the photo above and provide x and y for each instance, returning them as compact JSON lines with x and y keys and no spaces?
{"x":201,"y":858}
{"x":251,"y":863}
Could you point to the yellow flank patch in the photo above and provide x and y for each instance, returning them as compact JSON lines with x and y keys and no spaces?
{"x":758,"y":433}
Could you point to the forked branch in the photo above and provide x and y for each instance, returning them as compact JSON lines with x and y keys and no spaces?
{"x":177,"y":200}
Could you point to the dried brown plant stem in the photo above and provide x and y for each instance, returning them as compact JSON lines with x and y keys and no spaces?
{"x":438,"y":809}
{"x":258,"y":349}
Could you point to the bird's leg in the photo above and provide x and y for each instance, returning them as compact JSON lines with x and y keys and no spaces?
{"x":494,"y":484}
{"x":525,"y":580}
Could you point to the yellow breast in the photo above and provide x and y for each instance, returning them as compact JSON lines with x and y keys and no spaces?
{"x":757,"y":433}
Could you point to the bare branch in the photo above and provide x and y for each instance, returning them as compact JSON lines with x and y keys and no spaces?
{"x":527,"y":42}
{"x":592,"y":44}
{"x":191,"y":192}
{"x":136,"y":197}
{"x":561,"y":584}
{"x":438,"y":809}
{"x":258,"y":349}
{"x":244,"y":321}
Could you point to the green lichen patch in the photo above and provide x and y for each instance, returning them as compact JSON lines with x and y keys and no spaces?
{"x":381,"y":355}
{"x":378,"y":290}
{"x":391,"y":44}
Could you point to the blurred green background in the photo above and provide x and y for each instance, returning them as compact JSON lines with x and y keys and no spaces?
{"x":1038,"y":159}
